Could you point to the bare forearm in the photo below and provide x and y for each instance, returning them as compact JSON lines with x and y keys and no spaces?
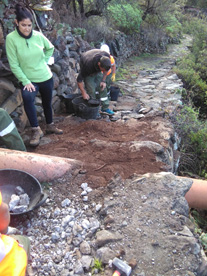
{"x":83,"y":91}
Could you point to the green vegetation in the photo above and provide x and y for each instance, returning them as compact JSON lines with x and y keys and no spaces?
{"x":191,"y":121}
{"x":193,"y":134}
{"x":122,"y":73}
{"x":197,"y":3}
{"x":192,"y":69}
{"x":97,"y":266}
{"x":199,"y":219}
{"x":125,"y":17}
{"x":46,"y":185}
{"x":62,"y":28}
{"x":79,"y":31}
{"x":173,"y":27}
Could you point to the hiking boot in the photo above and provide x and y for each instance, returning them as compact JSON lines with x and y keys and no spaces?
{"x":107,"y":112}
{"x":51,"y":128}
{"x":37,"y":134}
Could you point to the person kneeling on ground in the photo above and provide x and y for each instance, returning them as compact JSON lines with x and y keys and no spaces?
{"x":9,"y":134}
{"x":14,"y":249}
{"x":94,"y":65}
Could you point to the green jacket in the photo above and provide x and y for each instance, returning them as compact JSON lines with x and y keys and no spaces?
{"x":28,"y":57}
{"x":9,"y":134}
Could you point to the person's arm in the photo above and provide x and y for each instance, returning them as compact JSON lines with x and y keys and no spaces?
{"x":14,"y":63}
{"x":83,"y":91}
{"x":48,"y":48}
{"x":103,"y":82}
{"x":81,"y":86}
{"x":4,"y":218}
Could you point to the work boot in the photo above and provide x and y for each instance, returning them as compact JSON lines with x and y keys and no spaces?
{"x":51,"y":128}
{"x":107,"y":112}
{"x":37,"y":134}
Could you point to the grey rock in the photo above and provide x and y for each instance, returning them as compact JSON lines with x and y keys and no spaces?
{"x":65,"y":202}
{"x":105,"y":254}
{"x":14,"y":201}
{"x":66,"y":220}
{"x":103,"y":237}
{"x":85,"y":248}
{"x":86,"y":262}
{"x":19,"y":209}
{"x":24,"y":199}
{"x":78,"y":269}
{"x":19,"y":190}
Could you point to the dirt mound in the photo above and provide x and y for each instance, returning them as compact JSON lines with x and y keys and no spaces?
{"x":104,"y":148}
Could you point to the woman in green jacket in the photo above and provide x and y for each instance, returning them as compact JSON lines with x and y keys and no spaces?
{"x":28,"y":52}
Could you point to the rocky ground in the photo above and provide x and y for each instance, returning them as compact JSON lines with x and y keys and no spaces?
{"x":110,"y":207}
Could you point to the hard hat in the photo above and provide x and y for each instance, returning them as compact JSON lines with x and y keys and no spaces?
{"x":105,"y":48}
{"x":0,"y":198}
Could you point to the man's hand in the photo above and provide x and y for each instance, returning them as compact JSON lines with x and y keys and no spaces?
{"x":86,"y":96}
{"x":103,"y":85}
{"x":30,"y":87}
{"x":83,"y":91}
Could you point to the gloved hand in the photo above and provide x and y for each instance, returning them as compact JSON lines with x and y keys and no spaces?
{"x":113,"y":77}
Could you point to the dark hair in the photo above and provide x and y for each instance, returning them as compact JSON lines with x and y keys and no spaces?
{"x":22,"y":13}
{"x":105,"y":63}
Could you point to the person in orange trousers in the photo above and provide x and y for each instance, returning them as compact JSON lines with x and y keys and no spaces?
{"x":13,"y":255}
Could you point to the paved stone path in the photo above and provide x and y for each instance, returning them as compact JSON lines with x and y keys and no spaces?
{"x":152,"y":82}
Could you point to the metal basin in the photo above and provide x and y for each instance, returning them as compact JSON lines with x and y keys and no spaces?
{"x":10,"y":179}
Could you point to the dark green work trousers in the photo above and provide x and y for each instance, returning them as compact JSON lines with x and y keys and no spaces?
{"x":92,"y":86}
{"x":9,"y":134}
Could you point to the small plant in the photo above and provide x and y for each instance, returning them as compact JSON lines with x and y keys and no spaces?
{"x":62,"y":28}
{"x":121,"y":74}
{"x":182,"y":92}
{"x":97,"y":266}
{"x":203,"y":238}
{"x":46,"y":185}
{"x":79,"y":31}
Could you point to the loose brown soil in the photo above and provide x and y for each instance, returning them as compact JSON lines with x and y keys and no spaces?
{"x":103,"y":147}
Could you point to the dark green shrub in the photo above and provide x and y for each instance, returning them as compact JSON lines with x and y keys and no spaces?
{"x":125,"y":17}
{"x":173,"y":27}
{"x":201,"y":64}
{"x":193,"y":74}
{"x":193,"y":134}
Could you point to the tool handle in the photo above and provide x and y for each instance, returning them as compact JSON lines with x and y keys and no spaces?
{"x":116,"y":273}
